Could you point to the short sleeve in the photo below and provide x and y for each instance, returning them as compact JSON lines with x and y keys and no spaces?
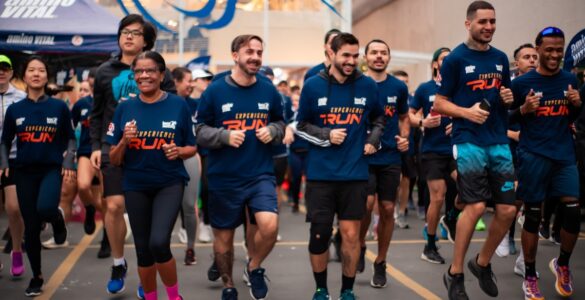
{"x":449,"y":77}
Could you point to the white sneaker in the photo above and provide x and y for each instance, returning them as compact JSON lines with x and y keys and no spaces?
{"x":182,"y":234}
{"x":50,"y":244}
{"x":128,"y":228}
{"x":401,"y":222}
{"x":278,"y":238}
{"x":520,"y":268}
{"x":503,"y":249}
{"x":204,"y":233}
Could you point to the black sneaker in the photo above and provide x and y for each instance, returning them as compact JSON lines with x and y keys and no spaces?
{"x":487,"y":279}
{"x":450,"y":226}
{"x":105,"y":250}
{"x":379,"y":278}
{"x":258,"y":287}
{"x":229,"y":294}
{"x":361,"y":266}
{"x":213,"y":272}
{"x":432,"y":255}
{"x":190,"y":258}
{"x":544,"y":231}
{"x":455,"y":286}
{"x":35,"y":287}
{"x":59,"y":228}
{"x":89,"y":222}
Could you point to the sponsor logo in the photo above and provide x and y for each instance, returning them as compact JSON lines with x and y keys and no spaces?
{"x":432,"y":98}
{"x":469,"y":69}
{"x":77,"y":40}
{"x":499,"y":68}
{"x":20,"y":9}
{"x":111,"y":129}
{"x":322,"y":101}
{"x":359,"y":101}
{"x":508,"y":186}
{"x":52,"y":121}
{"x":227,"y":107}
{"x":264,"y":106}
{"x":84,"y":111}
{"x":392,"y":100}
{"x":19,"y":121}
{"x":484,"y":84}
{"x":169,"y":124}
{"x":538,"y":94}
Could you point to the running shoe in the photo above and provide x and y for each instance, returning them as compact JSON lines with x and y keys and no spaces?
{"x":190,"y":258}
{"x":204,"y":233}
{"x":520,"y":268}
{"x":140,"y":292}
{"x":480,"y":226}
{"x":59,"y":228}
{"x":17,"y":268}
{"x":89,"y":222}
{"x":321,"y":294}
{"x":50,"y":244}
{"x":455,"y":286}
{"x":450,"y":226}
{"x":379,"y":277}
{"x":347,"y":295}
{"x":421,"y":213}
{"x":531,"y":290}
{"x":362,"y":260}
{"x":503,"y":249}
{"x":443,"y":231}
{"x":487,"y":279}
{"x":105,"y":251}
{"x":116,"y":282}
{"x":182,"y":234}
{"x":213,"y":272}
{"x":229,"y":294}
{"x":564,"y":280}
{"x":555,"y":237}
{"x":401,"y":221}
{"x":425,"y":234}
{"x":544,"y":231}
{"x":258,"y":287}
{"x":432,"y":255}
{"x":35,"y":287}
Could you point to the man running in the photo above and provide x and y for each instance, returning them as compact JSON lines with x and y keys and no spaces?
{"x":475,"y":92}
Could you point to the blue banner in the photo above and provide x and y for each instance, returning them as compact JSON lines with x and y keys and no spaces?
{"x":201,"y":62}
{"x":575,"y":54}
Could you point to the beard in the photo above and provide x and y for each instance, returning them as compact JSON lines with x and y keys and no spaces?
{"x":244,"y":66}
{"x":477,"y":37}
{"x":339,"y":68}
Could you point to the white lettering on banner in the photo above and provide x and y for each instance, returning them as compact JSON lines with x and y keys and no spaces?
{"x":30,"y":39}
{"x":578,"y":50}
{"x":33,"y":9}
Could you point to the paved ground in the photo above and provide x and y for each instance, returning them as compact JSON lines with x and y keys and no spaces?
{"x":76,"y":273}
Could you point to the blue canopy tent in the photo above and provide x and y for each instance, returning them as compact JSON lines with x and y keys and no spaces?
{"x":66,"y":26}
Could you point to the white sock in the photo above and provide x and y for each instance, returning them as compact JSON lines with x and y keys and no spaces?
{"x":119,"y":261}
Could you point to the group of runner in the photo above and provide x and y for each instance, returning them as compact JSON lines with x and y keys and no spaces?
{"x":149,"y":136}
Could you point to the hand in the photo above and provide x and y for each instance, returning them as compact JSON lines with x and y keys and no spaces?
{"x":449,"y":129}
{"x":431,"y":121}
{"x":171,"y":151}
{"x":130,"y":131}
{"x":69,"y":175}
{"x":337,"y":136}
{"x":476,"y":115}
{"x":263,"y":134}
{"x":573,"y":96}
{"x":237,"y":138}
{"x":96,"y":159}
{"x":506,"y":95}
{"x":289,"y":136}
{"x":369,"y":149}
{"x":401,"y":143}
{"x":531,"y":104}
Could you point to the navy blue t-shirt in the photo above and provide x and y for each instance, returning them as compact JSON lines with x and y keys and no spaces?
{"x":226,"y":105}
{"x":163,"y":122}
{"x":434,"y":140}
{"x":393,"y":97}
{"x":314,"y":71}
{"x":281,"y":150}
{"x":42,"y":130}
{"x":348,"y":106}
{"x":546,"y":132}
{"x":80,"y":114}
{"x":468,"y":76}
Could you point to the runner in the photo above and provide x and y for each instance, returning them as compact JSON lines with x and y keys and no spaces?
{"x":42,"y":126}
{"x":332,"y":112}
{"x":475,"y":92}
{"x":547,"y":102}
{"x":384,"y":165}
{"x":9,"y":95}
{"x":239,"y":118}
{"x":114,"y":83}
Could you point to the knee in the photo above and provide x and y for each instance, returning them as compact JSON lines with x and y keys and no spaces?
{"x":115,"y":208}
{"x":532,"y":216}
{"x":387,"y":211}
{"x":475,"y":210}
{"x":268,"y":231}
{"x":507,"y":212}
{"x":160,"y":249}
{"x":320,"y":237}
{"x":83,"y":186}
{"x":571,"y":216}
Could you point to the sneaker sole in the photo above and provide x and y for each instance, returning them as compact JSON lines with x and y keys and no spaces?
{"x":252,"y":295}
{"x":246,"y":280}
{"x":449,"y":236}
{"x":56,"y":246}
{"x":118,"y":292}
{"x":426,"y":258}
{"x":33,"y":294}
{"x":378,"y":286}
{"x":561,"y":293}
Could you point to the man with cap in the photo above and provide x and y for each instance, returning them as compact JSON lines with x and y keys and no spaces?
{"x":9,"y":95}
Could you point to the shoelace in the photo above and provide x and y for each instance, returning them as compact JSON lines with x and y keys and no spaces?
{"x":565,"y":275}
{"x":118,"y":272}
{"x":532,"y":286}
{"x":488,"y":272}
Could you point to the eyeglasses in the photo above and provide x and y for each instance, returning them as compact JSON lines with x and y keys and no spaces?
{"x":134,"y":33}
{"x":148,"y":71}
{"x":550,"y":31}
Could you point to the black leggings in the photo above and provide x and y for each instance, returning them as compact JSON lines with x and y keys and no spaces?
{"x":38,"y":190}
{"x":152,"y":215}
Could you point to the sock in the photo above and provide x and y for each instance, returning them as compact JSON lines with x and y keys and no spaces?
{"x":563,"y":259}
{"x":173,"y":291}
{"x":347,"y":283}
{"x":530,"y":269}
{"x":431,"y":241}
{"x":119,"y":261}
{"x":321,"y":279}
{"x":150,"y":295}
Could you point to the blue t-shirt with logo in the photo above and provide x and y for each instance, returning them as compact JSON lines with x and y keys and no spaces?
{"x":325,"y":103}
{"x":314,"y":71}
{"x":42,"y":130}
{"x":547,"y":131}
{"x":434,"y":140}
{"x":468,"y":76}
{"x":393,"y":97}
{"x":226,"y":105}
{"x":80,"y":115}
{"x":163,"y":122}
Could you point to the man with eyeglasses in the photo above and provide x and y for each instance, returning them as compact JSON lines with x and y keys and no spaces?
{"x":114,"y":82}
{"x":546,"y":104}
{"x":474,"y":90}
